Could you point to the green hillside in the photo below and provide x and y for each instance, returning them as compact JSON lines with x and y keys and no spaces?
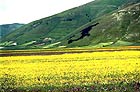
{"x":122,"y":27}
{"x":68,"y":29}
{"x":7,"y":28}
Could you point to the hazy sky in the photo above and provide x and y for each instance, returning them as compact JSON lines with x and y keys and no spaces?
{"x":25,"y":11}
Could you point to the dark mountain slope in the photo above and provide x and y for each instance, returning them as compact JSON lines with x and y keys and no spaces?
{"x":58,"y":26}
{"x":7,"y":28}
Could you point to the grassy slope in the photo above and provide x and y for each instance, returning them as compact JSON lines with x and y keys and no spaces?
{"x":118,"y":28}
{"x":58,"y":26}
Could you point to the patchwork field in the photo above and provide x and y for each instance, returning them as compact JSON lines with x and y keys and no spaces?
{"x":107,"y":71}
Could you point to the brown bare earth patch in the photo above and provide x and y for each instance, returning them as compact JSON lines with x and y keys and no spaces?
{"x":4,"y":53}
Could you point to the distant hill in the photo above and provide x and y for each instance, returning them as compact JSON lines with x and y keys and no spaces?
{"x":99,"y":23}
{"x":7,"y":28}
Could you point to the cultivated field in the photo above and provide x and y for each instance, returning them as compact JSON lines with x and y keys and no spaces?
{"x":107,"y":71}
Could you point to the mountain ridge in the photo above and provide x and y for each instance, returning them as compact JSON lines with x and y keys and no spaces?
{"x":54,"y":31}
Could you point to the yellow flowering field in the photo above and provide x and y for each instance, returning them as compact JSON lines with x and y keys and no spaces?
{"x":116,"y":71}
